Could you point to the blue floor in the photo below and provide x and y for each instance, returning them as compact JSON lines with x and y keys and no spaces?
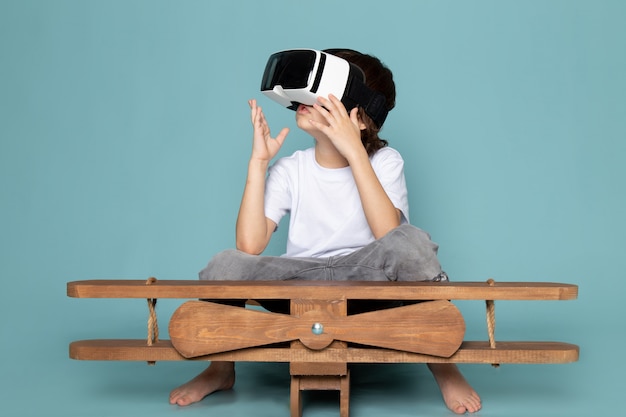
{"x":117,"y":389}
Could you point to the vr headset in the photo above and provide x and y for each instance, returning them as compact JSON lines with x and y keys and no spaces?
{"x":300,"y":76}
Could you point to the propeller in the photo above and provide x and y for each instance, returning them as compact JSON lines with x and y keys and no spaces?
{"x":200,"y":328}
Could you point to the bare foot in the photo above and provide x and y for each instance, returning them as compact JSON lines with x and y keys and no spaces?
{"x":458,"y":395}
{"x":218,"y":376}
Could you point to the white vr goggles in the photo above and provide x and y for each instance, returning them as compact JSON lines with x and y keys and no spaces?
{"x":300,"y":76}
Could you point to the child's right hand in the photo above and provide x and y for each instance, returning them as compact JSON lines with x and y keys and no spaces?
{"x":264,"y":147}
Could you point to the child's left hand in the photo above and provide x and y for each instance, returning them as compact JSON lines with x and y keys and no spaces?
{"x":343,"y":129}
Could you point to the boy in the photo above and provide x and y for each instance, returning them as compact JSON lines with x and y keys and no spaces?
{"x":348,"y":208}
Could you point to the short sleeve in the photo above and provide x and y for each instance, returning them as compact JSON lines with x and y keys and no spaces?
{"x":277,"y":192}
{"x":389,"y":168}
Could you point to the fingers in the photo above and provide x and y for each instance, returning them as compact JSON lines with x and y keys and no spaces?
{"x":335,"y":113}
{"x":264,"y":146}
{"x":280,"y":138}
{"x":252,"y":104}
{"x":253,"y":111}
{"x":256,"y":116}
{"x":331,"y":108}
{"x":256,"y":113}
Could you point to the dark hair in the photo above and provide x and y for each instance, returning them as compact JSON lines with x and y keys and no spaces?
{"x":379,"y":78}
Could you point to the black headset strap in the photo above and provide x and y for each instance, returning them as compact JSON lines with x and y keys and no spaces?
{"x":373,"y":102}
{"x":359,"y":94}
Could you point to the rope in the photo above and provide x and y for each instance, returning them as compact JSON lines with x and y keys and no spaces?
{"x":491,"y":321}
{"x":153,"y":325}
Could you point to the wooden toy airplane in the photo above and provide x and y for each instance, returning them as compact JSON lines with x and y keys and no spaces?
{"x":318,"y":338}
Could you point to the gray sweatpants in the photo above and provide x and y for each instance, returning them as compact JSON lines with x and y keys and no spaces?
{"x":404,"y":254}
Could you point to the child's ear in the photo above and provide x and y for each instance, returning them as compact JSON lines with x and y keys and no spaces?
{"x":362,"y":125}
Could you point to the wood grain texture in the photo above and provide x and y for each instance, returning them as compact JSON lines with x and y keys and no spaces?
{"x":331,"y":290}
{"x":200,"y":328}
{"x":469,"y":352}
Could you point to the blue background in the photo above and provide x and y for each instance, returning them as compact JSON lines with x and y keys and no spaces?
{"x":124,"y":138}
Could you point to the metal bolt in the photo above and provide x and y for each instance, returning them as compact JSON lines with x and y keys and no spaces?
{"x":317,"y":328}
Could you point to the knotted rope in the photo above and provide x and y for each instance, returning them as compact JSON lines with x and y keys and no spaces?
{"x":491,"y":321}
{"x":153,"y":325}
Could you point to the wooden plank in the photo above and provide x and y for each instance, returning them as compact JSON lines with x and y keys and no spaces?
{"x":320,"y":382}
{"x":344,"y":396}
{"x":200,"y":328}
{"x":318,"y":368}
{"x":330,"y":290}
{"x":296,"y":397}
{"x":469,"y":352}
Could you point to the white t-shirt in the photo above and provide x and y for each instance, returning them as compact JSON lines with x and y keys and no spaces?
{"x":326,"y":215}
